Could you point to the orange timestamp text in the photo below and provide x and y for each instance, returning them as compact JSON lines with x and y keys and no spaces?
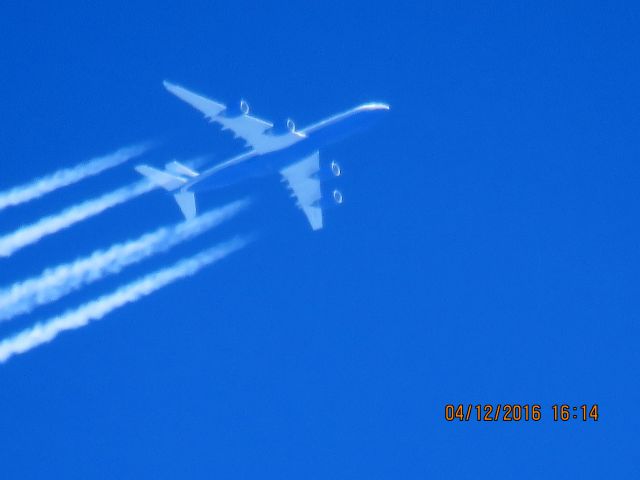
{"x":515,"y":412}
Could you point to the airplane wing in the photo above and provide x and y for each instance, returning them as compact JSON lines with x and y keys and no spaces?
{"x":251,"y":129}
{"x":302,"y":181}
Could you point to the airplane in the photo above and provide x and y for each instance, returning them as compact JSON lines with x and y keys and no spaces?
{"x":293,"y":153}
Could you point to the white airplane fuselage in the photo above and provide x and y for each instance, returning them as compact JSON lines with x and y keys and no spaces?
{"x":294,"y":146}
{"x":293,"y":154}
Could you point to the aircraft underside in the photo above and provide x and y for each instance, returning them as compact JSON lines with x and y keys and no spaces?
{"x":293,"y":154}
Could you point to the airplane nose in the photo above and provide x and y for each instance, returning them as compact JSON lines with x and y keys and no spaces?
{"x":375,"y":106}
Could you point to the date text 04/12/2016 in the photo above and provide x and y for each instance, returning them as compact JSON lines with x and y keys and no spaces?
{"x":513,"y":412}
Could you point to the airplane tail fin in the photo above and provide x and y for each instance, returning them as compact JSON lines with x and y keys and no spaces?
{"x":175,"y":176}
{"x":179,"y":169}
{"x":172,"y":177}
{"x":166,"y":180}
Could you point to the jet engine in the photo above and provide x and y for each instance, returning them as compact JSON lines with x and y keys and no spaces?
{"x":337,"y":196}
{"x":291,"y":126}
{"x":335,"y":169}
{"x":244,"y":107}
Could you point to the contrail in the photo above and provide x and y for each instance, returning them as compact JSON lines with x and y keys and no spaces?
{"x":14,"y":241}
{"x":56,"y":282}
{"x":62,"y":178}
{"x":95,"y":310}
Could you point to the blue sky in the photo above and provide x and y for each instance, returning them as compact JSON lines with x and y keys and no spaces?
{"x":487,"y":251}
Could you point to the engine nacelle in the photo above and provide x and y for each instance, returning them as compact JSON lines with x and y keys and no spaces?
{"x":244,"y":107}
{"x":335,"y":169}
{"x":291,"y":126}
{"x":337,"y":196}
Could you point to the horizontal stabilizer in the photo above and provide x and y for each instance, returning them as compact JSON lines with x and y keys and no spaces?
{"x":187,"y":203}
{"x":159,"y":178}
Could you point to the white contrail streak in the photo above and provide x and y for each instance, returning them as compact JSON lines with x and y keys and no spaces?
{"x":56,"y":282}
{"x":95,"y":310}
{"x":14,"y":241}
{"x":67,"y":176}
